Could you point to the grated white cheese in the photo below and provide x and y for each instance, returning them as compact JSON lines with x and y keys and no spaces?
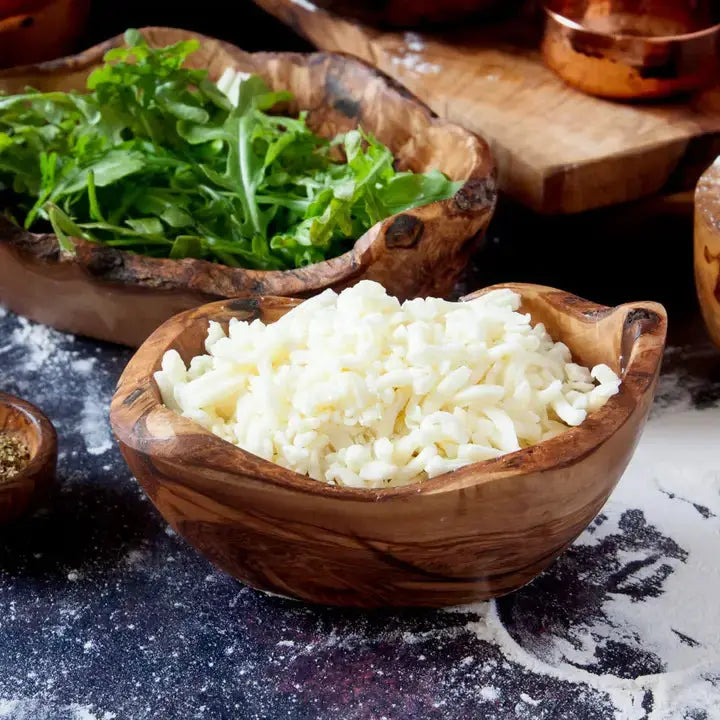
{"x":356,"y":389}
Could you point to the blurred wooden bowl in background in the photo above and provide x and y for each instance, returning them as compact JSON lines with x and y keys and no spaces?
{"x":707,"y":248}
{"x":37,"y":30}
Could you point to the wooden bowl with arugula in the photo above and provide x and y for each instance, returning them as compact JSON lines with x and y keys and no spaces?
{"x":164,"y":169}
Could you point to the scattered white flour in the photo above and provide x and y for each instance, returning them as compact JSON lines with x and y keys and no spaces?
{"x":95,"y":426}
{"x":305,"y":5}
{"x":414,"y":42}
{"x":675,"y":393}
{"x":489,"y":693}
{"x":40,"y":342}
{"x":136,"y":557}
{"x":411,"y":57}
{"x":415,"y":63}
{"x":682,"y":503}
{"x":84,"y":366}
{"x":7,"y":706}
{"x":32,"y":709}
{"x":673,"y":480}
{"x":52,"y":353}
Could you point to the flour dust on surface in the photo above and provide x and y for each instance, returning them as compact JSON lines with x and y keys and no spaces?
{"x":106,"y":614}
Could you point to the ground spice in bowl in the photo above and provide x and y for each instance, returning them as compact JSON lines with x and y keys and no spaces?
{"x":14,"y":456}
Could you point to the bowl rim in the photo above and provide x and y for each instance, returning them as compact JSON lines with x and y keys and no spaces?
{"x":339,"y":268}
{"x":137,"y":401}
{"x":47,"y":441}
{"x":577,"y":26}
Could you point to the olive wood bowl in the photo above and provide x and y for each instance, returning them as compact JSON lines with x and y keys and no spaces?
{"x":482,"y":531}
{"x":25,"y":422}
{"x":707,"y":248}
{"x":114,"y":295}
{"x":35,"y":30}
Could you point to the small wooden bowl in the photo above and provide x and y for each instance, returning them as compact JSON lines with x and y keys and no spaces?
{"x":707,"y":248}
{"x":479,"y":532}
{"x":25,"y":422}
{"x":117,"y":296}
{"x":632,"y":49}
{"x":35,"y":30}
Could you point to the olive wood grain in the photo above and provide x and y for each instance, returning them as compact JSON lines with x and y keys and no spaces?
{"x":481,"y":531}
{"x":25,"y":422}
{"x":115,"y":295}
{"x":707,"y":249}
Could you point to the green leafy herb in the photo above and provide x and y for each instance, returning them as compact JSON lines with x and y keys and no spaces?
{"x":156,"y":159}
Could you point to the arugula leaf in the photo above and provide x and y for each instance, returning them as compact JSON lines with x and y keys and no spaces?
{"x":157,"y":159}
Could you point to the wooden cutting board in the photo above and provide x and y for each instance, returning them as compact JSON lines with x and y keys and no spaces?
{"x":558,"y":150}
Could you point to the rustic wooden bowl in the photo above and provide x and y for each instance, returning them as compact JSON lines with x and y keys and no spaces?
{"x":114,"y":295}
{"x":35,"y":30}
{"x":707,"y":248}
{"x":481,"y":531}
{"x":24,"y":421}
{"x":628,"y":49}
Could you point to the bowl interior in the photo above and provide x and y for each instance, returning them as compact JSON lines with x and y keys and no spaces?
{"x":640,"y":18}
{"x":594,"y":333}
{"x":629,"y":338}
{"x":20,"y":424}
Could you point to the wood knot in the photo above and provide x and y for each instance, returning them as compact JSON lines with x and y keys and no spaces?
{"x":641,"y":321}
{"x":476,"y":194}
{"x":405,"y":231}
{"x":340,"y":98}
{"x":102,"y":261}
{"x":249,"y":305}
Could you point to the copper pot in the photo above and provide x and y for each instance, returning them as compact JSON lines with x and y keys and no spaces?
{"x":628,"y":49}
{"x":36,"y":30}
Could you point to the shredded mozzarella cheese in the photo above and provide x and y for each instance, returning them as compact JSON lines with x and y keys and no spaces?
{"x":356,"y":389}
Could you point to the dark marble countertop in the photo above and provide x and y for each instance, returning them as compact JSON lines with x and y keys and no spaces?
{"x":105,"y":614}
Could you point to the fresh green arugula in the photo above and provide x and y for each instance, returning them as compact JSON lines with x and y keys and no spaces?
{"x":155,"y":159}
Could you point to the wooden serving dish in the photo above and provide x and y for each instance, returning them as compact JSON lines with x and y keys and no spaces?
{"x":479,"y":532}
{"x":24,"y":421}
{"x":707,"y":249}
{"x":36,"y":30}
{"x":114,"y":295}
